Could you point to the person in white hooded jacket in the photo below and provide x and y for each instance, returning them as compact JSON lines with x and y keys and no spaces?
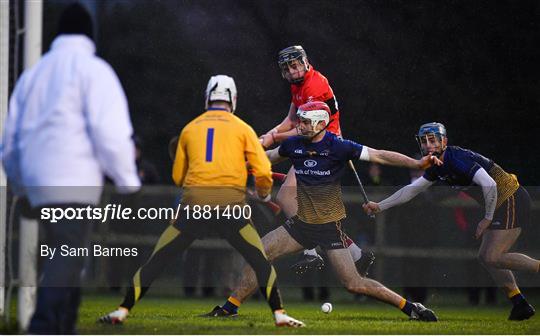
{"x":68,"y":126}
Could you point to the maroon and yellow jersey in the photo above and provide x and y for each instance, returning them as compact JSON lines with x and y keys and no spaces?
{"x":315,"y":87}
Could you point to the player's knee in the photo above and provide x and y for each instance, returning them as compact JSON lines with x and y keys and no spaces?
{"x":282,"y":197}
{"x":354,"y":285}
{"x":356,"y":289}
{"x":349,"y":285}
{"x":270,"y":255}
{"x":269,"y":250}
{"x":489,"y":259}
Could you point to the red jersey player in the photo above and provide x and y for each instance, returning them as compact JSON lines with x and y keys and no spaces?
{"x":307,"y":84}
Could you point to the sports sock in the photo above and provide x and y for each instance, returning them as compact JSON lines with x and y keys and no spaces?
{"x":516,"y":297}
{"x":406,"y":306}
{"x":312,"y":252}
{"x":231,"y":305}
{"x":355,"y":250}
{"x":129,"y":298}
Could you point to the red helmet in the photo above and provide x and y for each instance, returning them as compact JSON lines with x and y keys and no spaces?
{"x":315,"y":111}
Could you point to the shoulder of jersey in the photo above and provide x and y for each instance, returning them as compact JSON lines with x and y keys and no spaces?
{"x":319,"y":76}
{"x":452,"y":153}
{"x":318,"y":85}
{"x":456,"y":150}
{"x":241,"y":123}
{"x":192,"y":121}
{"x":333,"y":137}
{"x":293,"y":138}
{"x":237,"y":119}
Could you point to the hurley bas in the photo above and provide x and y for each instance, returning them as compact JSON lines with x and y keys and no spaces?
{"x":97,"y":251}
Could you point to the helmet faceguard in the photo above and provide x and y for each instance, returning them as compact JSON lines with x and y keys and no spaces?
{"x":315,"y":112}
{"x":292,"y":56}
{"x":221,"y":88}
{"x":431,"y":129}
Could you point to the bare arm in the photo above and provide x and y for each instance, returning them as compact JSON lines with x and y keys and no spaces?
{"x":397,"y":159}
{"x":274,"y":157}
{"x":279,"y":137}
{"x":282,"y":131}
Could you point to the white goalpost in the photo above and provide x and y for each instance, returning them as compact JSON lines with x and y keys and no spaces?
{"x":33,"y":20}
{"x":4,"y":79}
{"x":28,"y":232}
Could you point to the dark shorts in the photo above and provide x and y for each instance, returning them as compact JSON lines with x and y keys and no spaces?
{"x":514,"y":212}
{"x":329,"y":236}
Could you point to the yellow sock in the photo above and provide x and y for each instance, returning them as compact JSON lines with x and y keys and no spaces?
{"x":513,"y":293}
{"x":402,"y":303}
{"x":231,"y":305}
{"x":234,"y":301}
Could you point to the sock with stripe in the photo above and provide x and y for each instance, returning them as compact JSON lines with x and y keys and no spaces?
{"x":406,"y":307}
{"x":129,"y":298}
{"x":231,"y":305}
{"x":516,"y":297}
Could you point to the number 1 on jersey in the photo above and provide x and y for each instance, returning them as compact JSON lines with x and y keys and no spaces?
{"x":209,"y":144}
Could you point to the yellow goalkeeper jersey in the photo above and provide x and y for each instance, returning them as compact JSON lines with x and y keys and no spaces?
{"x":211,"y":155}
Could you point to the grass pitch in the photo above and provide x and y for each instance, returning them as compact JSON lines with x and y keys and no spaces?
{"x":180,"y":316}
{"x":161,"y":315}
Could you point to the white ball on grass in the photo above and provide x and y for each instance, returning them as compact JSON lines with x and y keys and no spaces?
{"x":326,"y":307}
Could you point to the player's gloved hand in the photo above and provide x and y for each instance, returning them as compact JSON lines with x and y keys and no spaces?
{"x":482,"y":226}
{"x":371,"y":208}
{"x":428,"y":161}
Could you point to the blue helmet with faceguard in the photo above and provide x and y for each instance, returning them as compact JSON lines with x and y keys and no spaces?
{"x":432,"y":128}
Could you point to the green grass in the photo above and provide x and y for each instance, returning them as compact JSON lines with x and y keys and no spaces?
{"x":179,"y":316}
